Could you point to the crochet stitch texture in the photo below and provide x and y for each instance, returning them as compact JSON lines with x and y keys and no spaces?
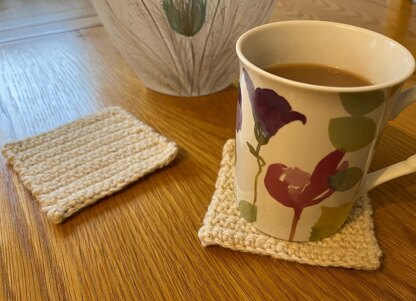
{"x":79,"y":163}
{"x":353,"y":246}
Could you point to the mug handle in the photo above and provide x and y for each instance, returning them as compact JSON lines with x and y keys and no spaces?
{"x":399,"y":169}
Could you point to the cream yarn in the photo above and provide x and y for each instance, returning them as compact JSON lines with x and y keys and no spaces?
{"x":79,"y":163}
{"x":354,"y":246}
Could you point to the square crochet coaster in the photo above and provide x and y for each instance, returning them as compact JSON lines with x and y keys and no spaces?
{"x":354,"y":246}
{"x":79,"y":163}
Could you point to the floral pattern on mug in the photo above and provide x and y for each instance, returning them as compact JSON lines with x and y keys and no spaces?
{"x":239,"y":118}
{"x":297,"y":189}
{"x":271,"y":112}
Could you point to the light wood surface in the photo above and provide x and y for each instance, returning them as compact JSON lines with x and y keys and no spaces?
{"x":18,"y":10}
{"x":22,"y":19}
{"x":141,"y":243}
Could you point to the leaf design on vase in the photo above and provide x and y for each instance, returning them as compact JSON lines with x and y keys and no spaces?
{"x":351,"y":133}
{"x":185,"y":17}
{"x":248,"y":211}
{"x":330,"y":221}
{"x":297,"y":189}
{"x":271,"y":112}
{"x":361,"y":103}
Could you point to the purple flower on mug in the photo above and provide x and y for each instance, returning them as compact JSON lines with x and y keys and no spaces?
{"x":297,"y":189}
{"x":239,"y":113}
{"x":270,"y":111}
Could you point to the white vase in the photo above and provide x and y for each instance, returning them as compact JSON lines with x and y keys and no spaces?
{"x":181,"y":47}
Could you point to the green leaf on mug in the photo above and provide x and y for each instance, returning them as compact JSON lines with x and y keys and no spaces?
{"x":330,"y":221}
{"x":361,"y":103}
{"x":346,"y":179}
{"x":351,"y":133}
{"x":248,"y":211}
{"x":252,"y":150}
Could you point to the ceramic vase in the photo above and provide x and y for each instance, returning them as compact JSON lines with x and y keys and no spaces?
{"x":181,"y":47}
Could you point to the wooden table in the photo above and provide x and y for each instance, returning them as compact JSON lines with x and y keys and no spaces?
{"x":141,"y":243}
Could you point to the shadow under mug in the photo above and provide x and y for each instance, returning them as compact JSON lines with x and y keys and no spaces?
{"x":303,"y":151}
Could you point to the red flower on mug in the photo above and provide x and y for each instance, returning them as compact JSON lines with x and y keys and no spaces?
{"x":271,"y":112}
{"x":297,"y":189}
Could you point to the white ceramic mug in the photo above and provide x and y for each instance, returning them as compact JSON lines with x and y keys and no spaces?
{"x":303,"y":151}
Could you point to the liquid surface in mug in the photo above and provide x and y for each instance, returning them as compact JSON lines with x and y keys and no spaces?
{"x":321,"y":75}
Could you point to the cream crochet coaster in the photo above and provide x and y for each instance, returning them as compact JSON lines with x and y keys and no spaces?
{"x":79,"y":163}
{"x":354,"y":246}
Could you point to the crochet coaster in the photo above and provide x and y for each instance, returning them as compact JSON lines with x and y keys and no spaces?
{"x":81,"y":162}
{"x":353,"y":246}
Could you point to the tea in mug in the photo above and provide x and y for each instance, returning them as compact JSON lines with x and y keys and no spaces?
{"x":321,"y":75}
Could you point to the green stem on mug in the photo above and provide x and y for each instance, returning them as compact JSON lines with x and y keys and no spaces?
{"x":260,"y":163}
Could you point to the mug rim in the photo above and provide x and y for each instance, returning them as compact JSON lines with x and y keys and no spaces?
{"x":379,"y":86}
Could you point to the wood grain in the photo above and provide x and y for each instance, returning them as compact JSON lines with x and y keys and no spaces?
{"x":23,"y":10}
{"x":20,"y":19}
{"x":141,"y":243}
